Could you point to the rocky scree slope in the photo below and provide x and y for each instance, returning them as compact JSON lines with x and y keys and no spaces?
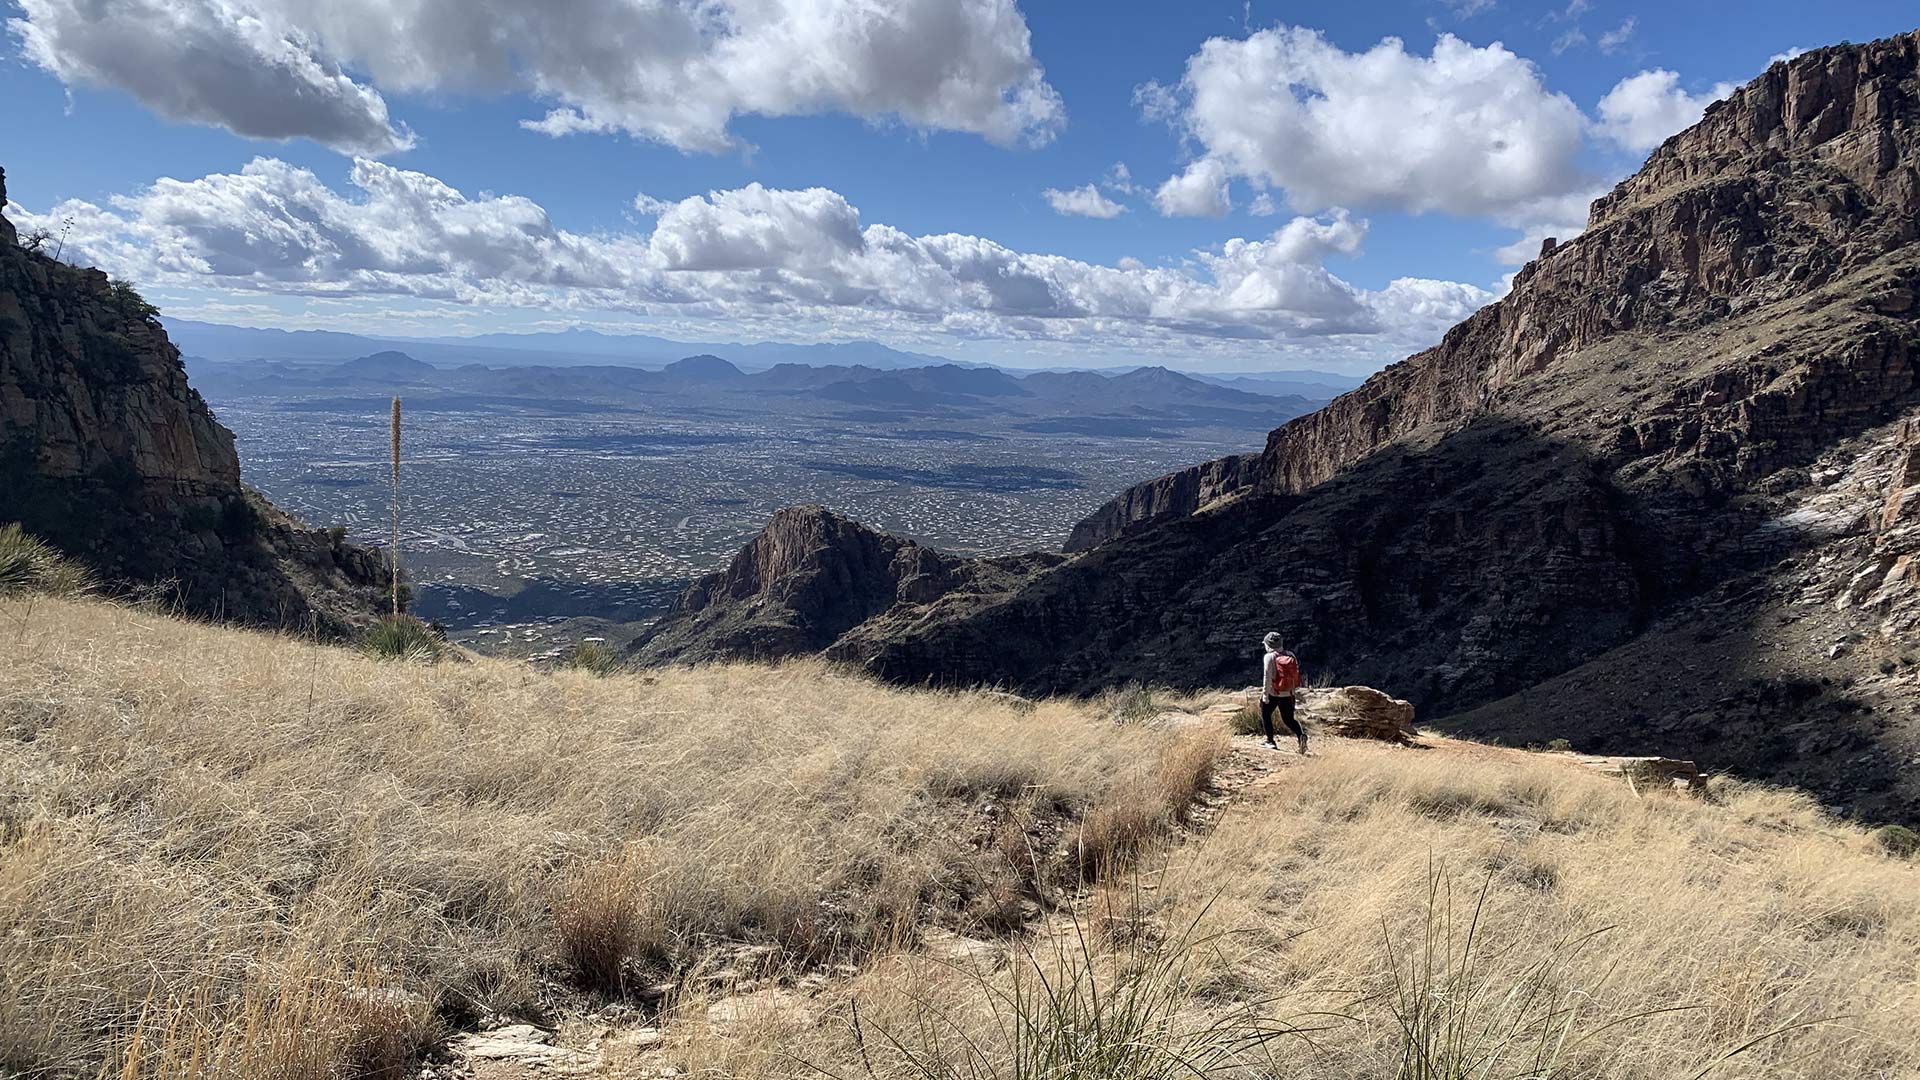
{"x":1622,"y":434}
{"x":108,"y":454}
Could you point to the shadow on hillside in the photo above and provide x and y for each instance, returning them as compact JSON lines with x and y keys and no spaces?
{"x":1452,"y":575}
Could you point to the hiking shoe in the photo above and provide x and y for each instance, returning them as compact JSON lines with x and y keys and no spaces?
{"x":1271,"y":745}
{"x":1303,"y":748}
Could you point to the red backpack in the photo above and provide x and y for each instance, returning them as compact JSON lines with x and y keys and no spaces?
{"x":1286,"y":673}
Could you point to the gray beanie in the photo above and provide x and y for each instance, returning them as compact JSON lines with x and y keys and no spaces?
{"x":1272,"y":641}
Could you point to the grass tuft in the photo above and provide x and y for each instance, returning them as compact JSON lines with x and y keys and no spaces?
{"x":1898,"y":841}
{"x":603,"y":919}
{"x":29,"y":565}
{"x":1129,"y":704}
{"x":300,"y":1021}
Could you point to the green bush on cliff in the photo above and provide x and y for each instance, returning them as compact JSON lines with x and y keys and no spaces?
{"x":27,"y":565}
{"x":129,"y":302}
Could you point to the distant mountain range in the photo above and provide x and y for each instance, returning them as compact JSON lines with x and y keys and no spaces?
{"x":214,"y":341}
{"x":1134,"y":403}
{"x":577,"y":347}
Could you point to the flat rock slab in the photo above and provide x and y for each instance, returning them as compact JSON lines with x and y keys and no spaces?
{"x":526,"y":1045}
{"x":1646,"y":771}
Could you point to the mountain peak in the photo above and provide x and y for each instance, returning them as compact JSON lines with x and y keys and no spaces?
{"x":389,"y":363}
{"x":705,"y":366}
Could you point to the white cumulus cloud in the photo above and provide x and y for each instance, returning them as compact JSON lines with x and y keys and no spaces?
{"x":1642,"y":110}
{"x":1083,"y":201}
{"x":1467,"y":130}
{"x":208,"y":62}
{"x":673,"y":71}
{"x":1199,"y":191}
{"x":780,"y":260}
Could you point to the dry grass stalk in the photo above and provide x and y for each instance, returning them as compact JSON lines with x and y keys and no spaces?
{"x":393,"y":439}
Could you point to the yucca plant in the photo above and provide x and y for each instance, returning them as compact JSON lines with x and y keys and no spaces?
{"x":594,"y":657}
{"x":30,"y":565}
{"x":402,"y":637}
{"x":1071,"y":1012}
{"x":393,"y":553}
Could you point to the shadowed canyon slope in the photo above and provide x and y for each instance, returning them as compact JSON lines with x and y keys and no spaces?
{"x":1653,"y":418}
{"x":108,"y":454}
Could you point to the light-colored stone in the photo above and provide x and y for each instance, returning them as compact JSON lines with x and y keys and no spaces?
{"x":1360,"y":712}
{"x":1647,"y":773}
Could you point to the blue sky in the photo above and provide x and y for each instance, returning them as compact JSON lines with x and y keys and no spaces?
{"x":1297,"y":193}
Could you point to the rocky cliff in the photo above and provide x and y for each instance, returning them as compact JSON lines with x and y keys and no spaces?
{"x":1795,"y":180}
{"x":1624,"y":437}
{"x":107,"y":453}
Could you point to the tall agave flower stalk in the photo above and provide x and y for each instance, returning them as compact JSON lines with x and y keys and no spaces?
{"x":394,"y":445}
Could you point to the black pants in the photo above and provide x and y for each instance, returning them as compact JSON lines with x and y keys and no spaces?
{"x":1267,"y":703}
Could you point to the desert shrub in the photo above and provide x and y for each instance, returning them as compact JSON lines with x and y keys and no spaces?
{"x":1129,"y":704}
{"x":28,"y":565}
{"x":602,"y":919}
{"x":1559,"y":746}
{"x":1246,"y":721}
{"x":402,"y":637}
{"x":239,"y":521}
{"x":593,"y":657}
{"x":128,"y":301}
{"x":1897,"y":840}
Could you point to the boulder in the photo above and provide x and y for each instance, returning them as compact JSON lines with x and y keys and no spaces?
{"x":1360,"y":712}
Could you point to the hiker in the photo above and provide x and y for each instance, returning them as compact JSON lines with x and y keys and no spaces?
{"x":1279,"y":678}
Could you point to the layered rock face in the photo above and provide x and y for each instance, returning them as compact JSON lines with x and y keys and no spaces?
{"x":107,"y":453}
{"x":1609,"y":448}
{"x":1175,"y":495}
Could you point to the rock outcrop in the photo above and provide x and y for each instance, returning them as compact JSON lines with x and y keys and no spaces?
{"x":808,"y":578}
{"x":1596,"y":457}
{"x":108,"y":454}
{"x":1361,"y":712}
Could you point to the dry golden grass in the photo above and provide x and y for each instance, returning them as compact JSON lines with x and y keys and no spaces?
{"x":1404,"y":913}
{"x":227,"y":855}
{"x":184,"y":808}
{"x":1749,"y":913}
